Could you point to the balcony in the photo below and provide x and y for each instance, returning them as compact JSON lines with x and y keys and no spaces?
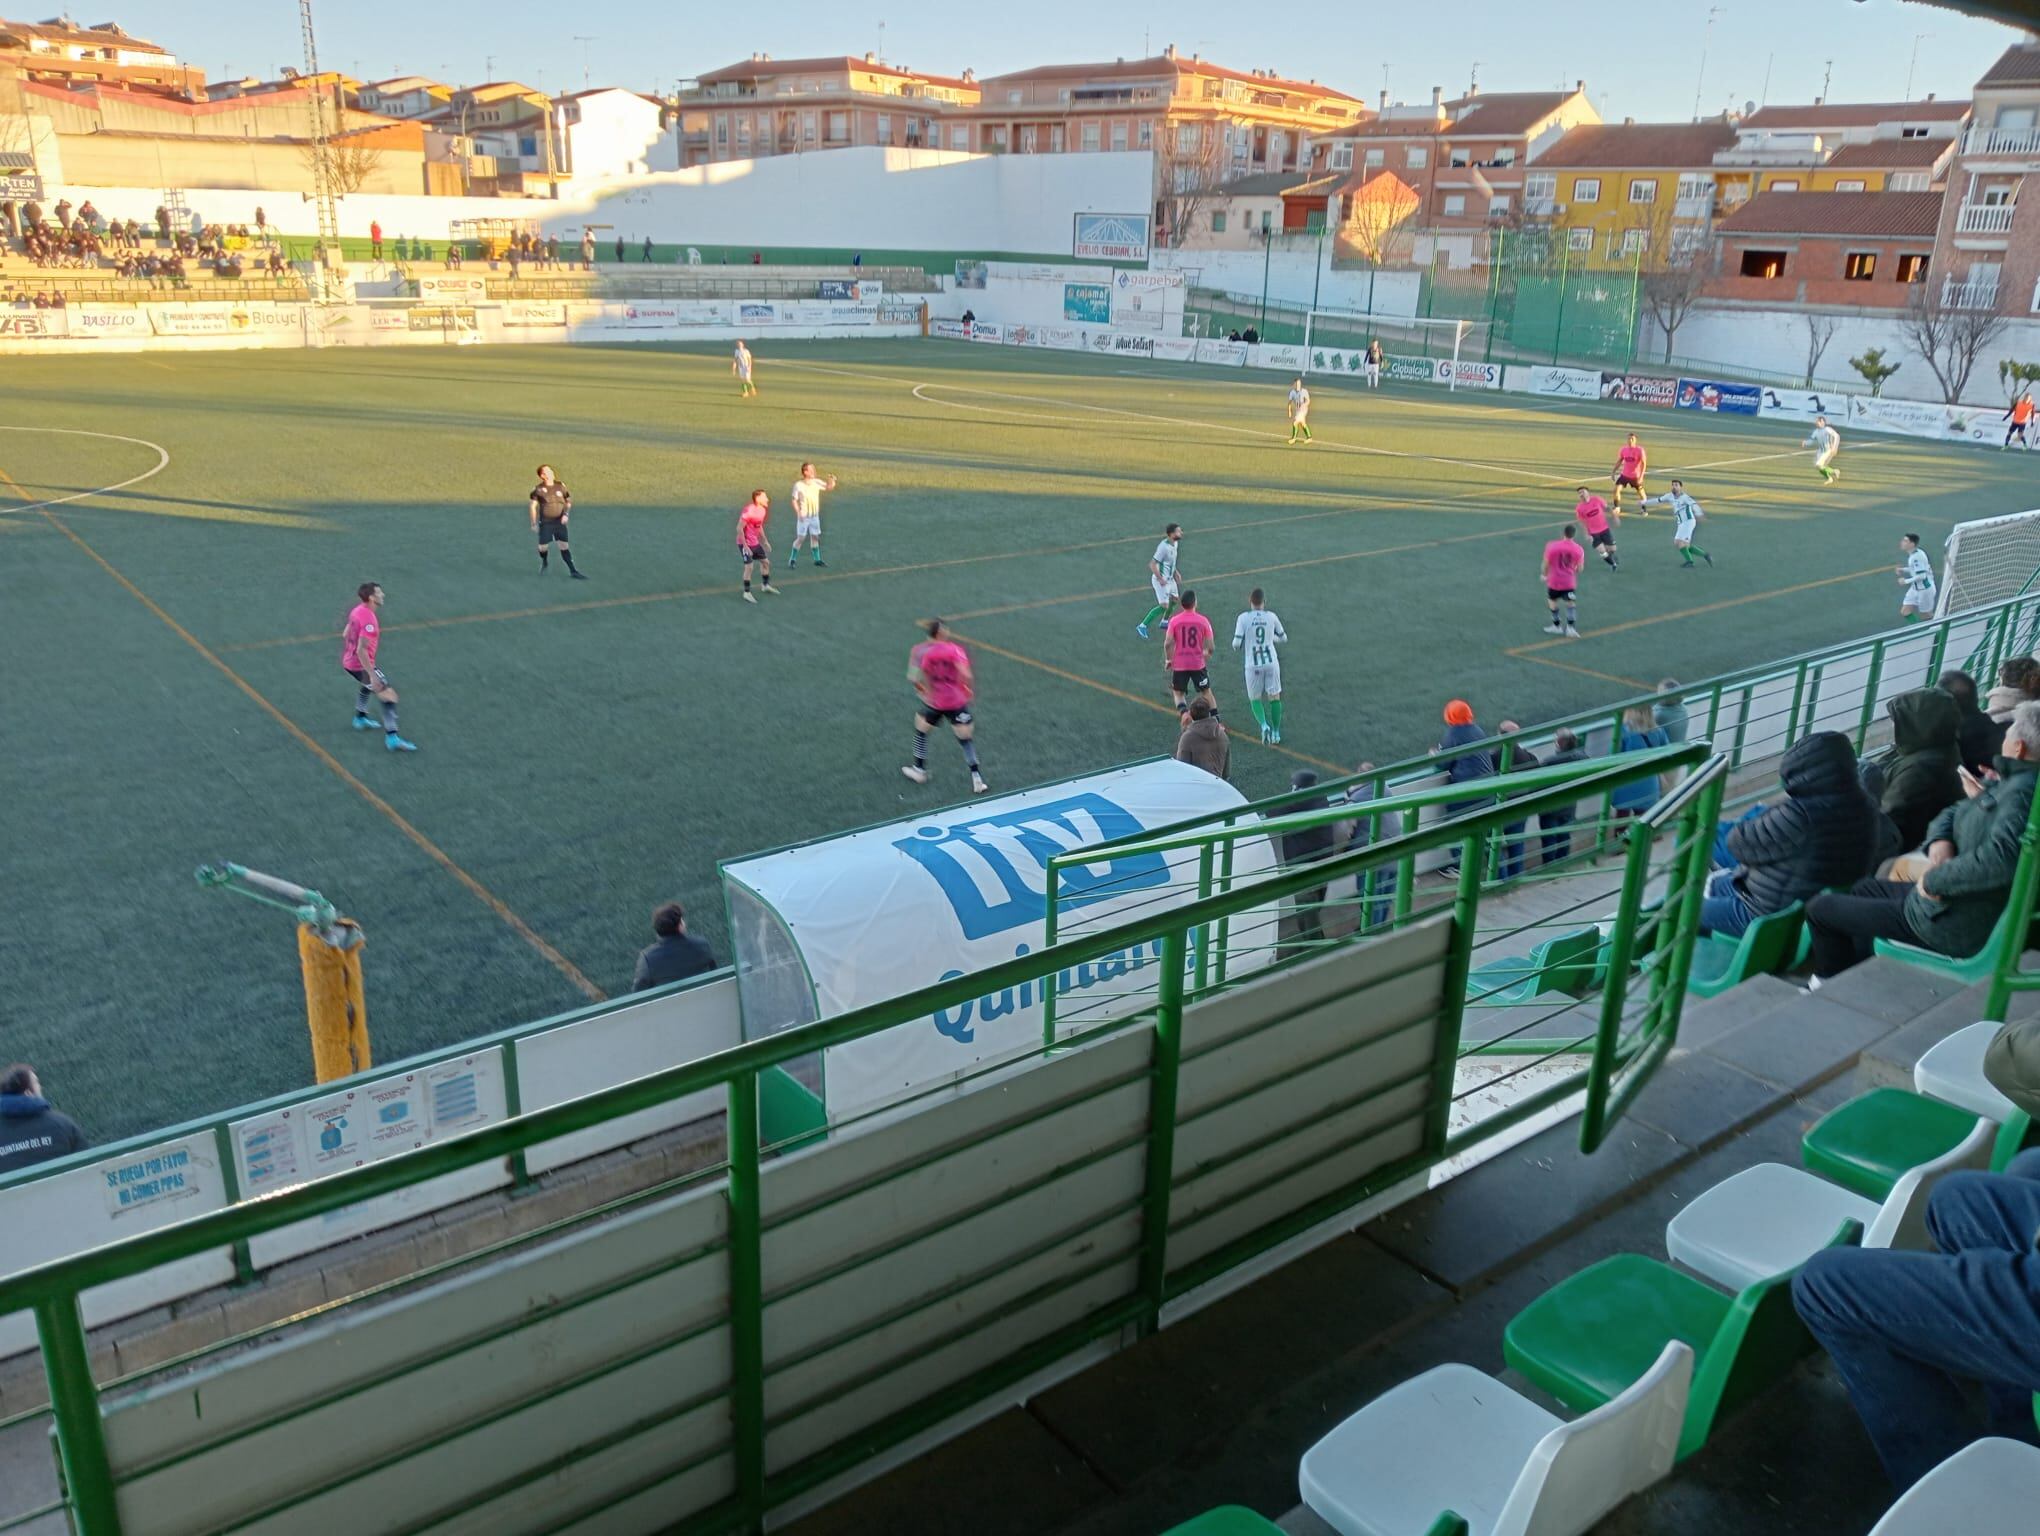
{"x":2001,"y":141}
{"x":1693,"y":208}
{"x":1984,"y":218}
{"x":1975,"y":294}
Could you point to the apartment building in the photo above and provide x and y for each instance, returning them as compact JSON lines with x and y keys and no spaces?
{"x":1840,"y":147}
{"x":1987,"y":251}
{"x":1844,"y":250}
{"x":406,"y":96}
{"x":60,"y":52}
{"x":768,"y":106}
{"x":1628,"y":191}
{"x":1471,"y":160}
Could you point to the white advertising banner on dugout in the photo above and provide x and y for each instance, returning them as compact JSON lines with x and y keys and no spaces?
{"x":886,"y":911}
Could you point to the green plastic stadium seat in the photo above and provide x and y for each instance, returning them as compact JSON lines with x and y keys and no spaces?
{"x":1867,"y":1144}
{"x":1588,"y":1338}
{"x":1561,"y":964}
{"x":1768,"y":945}
{"x":1228,"y":1520}
{"x":1649,"y":929}
{"x":1964,"y":968}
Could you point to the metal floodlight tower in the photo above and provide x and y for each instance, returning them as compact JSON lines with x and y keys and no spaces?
{"x":322,"y":159}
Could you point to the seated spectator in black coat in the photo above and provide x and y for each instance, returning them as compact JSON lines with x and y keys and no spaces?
{"x":1920,"y":780}
{"x":675,"y":956}
{"x":30,"y":1131}
{"x":1823,"y":833}
{"x":1980,"y":736}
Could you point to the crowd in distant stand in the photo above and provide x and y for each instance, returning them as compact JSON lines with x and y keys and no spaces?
{"x":82,"y":238}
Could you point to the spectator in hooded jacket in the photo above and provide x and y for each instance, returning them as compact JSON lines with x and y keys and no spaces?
{"x":1823,"y":833}
{"x":1921,"y":778}
{"x":1204,"y":742}
{"x":1556,"y":824}
{"x":1461,"y":730}
{"x":30,"y":1131}
{"x":1303,"y":922}
{"x":1979,"y":736}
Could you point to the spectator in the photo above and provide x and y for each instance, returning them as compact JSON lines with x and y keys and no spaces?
{"x":88,"y":215}
{"x":1361,"y":795}
{"x":674,"y":955}
{"x":1640,"y":732}
{"x":63,"y":213}
{"x":552,"y":251}
{"x":1303,"y":920}
{"x":1979,"y":735}
{"x":1921,"y":779}
{"x":1556,"y":825}
{"x":588,"y":250}
{"x":30,"y":1131}
{"x":1519,"y":757}
{"x":857,"y":262}
{"x":375,"y":239}
{"x":2018,"y":681}
{"x":453,"y":257}
{"x":1204,"y":742}
{"x":1907,"y":1330}
{"x":757,"y":258}
{"x":969,"y":318}
{"x":261,"y":219}
{"x":1461,"y":730}
{"x":516,"y":255}
{"x":1251,"y":336}
{"x":1824,"y":833}
{"x":1669,"y":713}
{"x":619,"y":250}
{"x":647,"y":249}
{"x":1972,"y":849}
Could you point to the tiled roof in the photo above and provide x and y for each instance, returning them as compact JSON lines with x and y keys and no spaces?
{"x":1847,"y":114}
{"x":1641,"y":146}
{"x":1161,"y":65}
{"x":1504,"y":114}
{"x":1879,"y":153}
{"x":752,"y":69}
{"x":2018,"y":65}
{"x":1266,"y":184}
{"x":1899,"y":215}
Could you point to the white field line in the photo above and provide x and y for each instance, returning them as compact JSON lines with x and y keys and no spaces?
{"x":162,"y":463}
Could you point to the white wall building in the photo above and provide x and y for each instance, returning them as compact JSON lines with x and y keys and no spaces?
{"x":610,"y":133}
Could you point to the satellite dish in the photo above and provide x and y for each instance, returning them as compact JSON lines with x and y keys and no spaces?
{"x":1748,"y":107}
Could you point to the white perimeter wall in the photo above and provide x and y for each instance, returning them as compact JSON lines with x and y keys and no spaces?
{"x":1294,"y":277}
{"x":884,"y":199}
{"x":1746,"y":342}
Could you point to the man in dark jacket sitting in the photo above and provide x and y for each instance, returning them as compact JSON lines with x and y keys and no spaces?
{"x":1920,"y":780}
{"x":675,"y":956}
{"x":1823,"y":833}
{"x":30,"y":1131}
{"x":1972,"y":850}
{"x":1979,"y":735}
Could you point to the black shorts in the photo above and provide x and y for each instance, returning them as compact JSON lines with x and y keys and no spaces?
{"x":1605,"y":539}
{"x":1634,"y":485}
{"x":1197,"y":681}
{"x":1565,"y":595}
{"x":368,"y":677}
{"x":923,"y":711}
{"x":747,"y":554}
{"x":551,"y":528}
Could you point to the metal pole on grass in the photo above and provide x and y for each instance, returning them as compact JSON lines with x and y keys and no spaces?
{"x":329,"y":955}
{"x":1267,"y":254}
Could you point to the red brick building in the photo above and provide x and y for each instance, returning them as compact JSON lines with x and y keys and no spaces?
{"x":1844,"y":250}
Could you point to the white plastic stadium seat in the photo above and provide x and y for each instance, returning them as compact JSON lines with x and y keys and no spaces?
{"x":1771,"y":1218}
{"x":1990,"y":1488}
{"x":1953,"y":1073}
{"x":1455,"y":1438}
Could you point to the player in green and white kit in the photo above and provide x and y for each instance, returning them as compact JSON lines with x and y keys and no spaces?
{"x":1299,"y":413}
{"x":1162,"y":577}
{"x":1916,"y":575}
{"x":1255,"y":635}
{"x":1826,"y":443}
{"x":1686,"y":515}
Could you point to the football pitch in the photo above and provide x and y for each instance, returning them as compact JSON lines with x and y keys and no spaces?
{"x":588,"y":749}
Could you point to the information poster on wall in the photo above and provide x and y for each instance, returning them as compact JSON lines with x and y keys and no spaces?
{"x":1087,"y":303}
{"x":1111,"y":236}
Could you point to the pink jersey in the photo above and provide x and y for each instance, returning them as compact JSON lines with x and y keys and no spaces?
{"x":1593,"y":514}
{"x":1562,"y":562}
{"x":1189,"y":641}
{"x":1629,"y":462}
{"x":359,"y":640}
{"x":751,"y":525}
{"x":945,"y":674}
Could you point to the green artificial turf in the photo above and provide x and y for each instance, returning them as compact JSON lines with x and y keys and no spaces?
{"x":591,"y":748}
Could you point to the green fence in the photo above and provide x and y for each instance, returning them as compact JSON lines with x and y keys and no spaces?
{"x":1633,"y":1001}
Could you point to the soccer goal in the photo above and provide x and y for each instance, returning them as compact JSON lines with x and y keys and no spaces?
{"x":1335,"y":341}
{"x":1989,"y":561}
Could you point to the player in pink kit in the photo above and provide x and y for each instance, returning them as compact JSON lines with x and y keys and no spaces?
{"x":358,"y":643}
{"x":1562,"y":562}
{"x":1630,"y":464}
{"x":1188,"y":650}
{"x":752,"y":546}
{"x":1593,"y":515}
{"x":939,"y":669}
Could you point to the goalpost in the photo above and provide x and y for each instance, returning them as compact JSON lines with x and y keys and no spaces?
{"x":1988,"y":561}
{"x":1334,"y":339}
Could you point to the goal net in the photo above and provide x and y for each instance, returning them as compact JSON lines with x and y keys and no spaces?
{"x":1335,"y":341}
{"x":1989,"y":561}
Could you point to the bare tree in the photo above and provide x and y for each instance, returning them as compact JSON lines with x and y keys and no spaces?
{"x":1188,"y":175}
{"x":1376,"y":223}
{"x":1949,"y":338}
{"x":1671,"y":269}
{"x":1820,"y":330}
{"x":349,"y":162}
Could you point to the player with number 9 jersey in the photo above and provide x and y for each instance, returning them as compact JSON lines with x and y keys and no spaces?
{"x":1255,"y":635}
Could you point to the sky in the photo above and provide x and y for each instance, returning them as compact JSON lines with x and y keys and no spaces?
{"x":1641,"y":60}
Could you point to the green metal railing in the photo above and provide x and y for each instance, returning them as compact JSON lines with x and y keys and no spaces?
{"x":1636,"y":1025}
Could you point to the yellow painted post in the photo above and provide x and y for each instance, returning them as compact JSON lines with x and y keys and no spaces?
{"x":335,"y":1006}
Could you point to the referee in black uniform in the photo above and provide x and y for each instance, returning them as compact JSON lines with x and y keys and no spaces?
{"x":550,"y":503}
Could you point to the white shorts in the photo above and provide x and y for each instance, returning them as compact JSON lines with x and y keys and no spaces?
{"x":1683,"y":533}
{"x":1374,"y":373}
{"x":1825,"y":457}
{"x":1165,"y":591}
{"x":1264,"y":682}
{"x":807,"y":527}
{"x":1919,"y":602}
